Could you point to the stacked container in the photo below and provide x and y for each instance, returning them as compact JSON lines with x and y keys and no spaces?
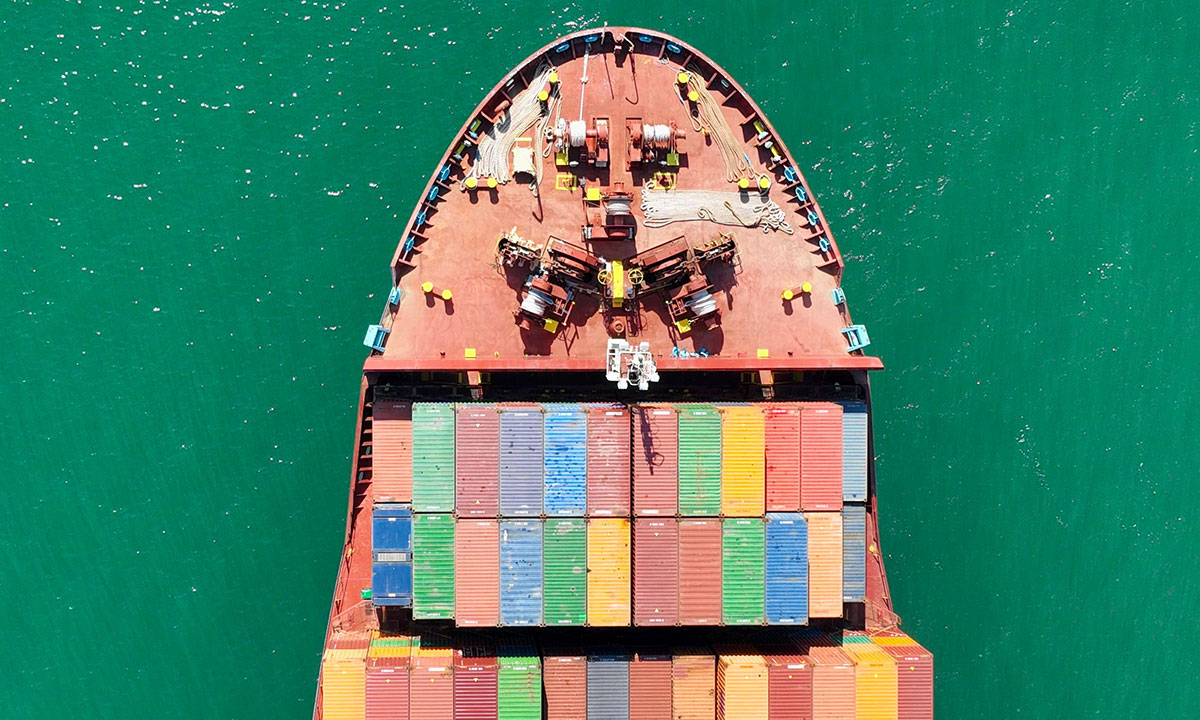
{"x":833,"y":682}
{"x":519,"y":682}
{"x":476,"y":573}
{"x":782,"y":456}
{"x":433,"y":566}
{"x":824,"y":564}
{"x":650,"y":685}
{"x":431,"y":689}
{"x":387,"y":678}
{"x":608,"y":575}
{"x":821,"y":456}
{"x":608,"y":684}
{"x":391,"y":451}
{"x":914,"y":674}
{"x":700,"y":576}
{"x":743,"y":579}
{"x":854,"y":553}
{"x":476,"y":461}
{"x":743,"y":462}
{"x":564,"y":682}
{"x":655,"y":461}
{"x":855,"y":460}
{"x":344,"y":679}
{"x":433,"y":457}
{"x":608,"y":460}
{"x":564,"y":578}
{"x":521,"y":466}
{"x":693,"y":684}
{"x":786,"y":569}
{"x":476,"y":673}
{"x":521,"y":572}
{"x":741,"y":687}
{"x":565,"y":473}
{"x":699,"y":460}
{"x":656,"y":571}
{"x":875,"y":692}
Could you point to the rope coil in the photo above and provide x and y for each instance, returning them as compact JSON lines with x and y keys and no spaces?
{"x":662,"y":207}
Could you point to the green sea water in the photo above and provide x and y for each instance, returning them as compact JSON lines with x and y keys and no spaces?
{"x":197,"y":206}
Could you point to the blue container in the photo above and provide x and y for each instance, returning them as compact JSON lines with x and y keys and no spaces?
{"x":608,"y":684}
{"x":566,"y":461}
{"x":391,"y":555}
{"x":521,"y":462}
{"x":521,"y":572}
{"x":854,"y":553}
{"x":787,"y":569}
{"x":854,"y":451}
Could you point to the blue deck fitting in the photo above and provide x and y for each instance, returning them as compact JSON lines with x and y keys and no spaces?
{"x":376,"y":337}
{"x":563,"y":47}
{"x":591,"y":38}
{"x":824,"y":245}
{"x":646,"y":38}
{"x":406,"y":252}
{"x":672,"y":47}
{"x":857,"y":335}
{"x":813,"y":219}
{"x":444,"y":175}
{"x":789,"y":174}
{"x":801,"y":193}
{"x":421,"y":217}
{"x":839,"y":296}
{"x":394,"y":296}
{"x":433,"y":193}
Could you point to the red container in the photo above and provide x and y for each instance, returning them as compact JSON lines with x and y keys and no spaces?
{"x":693,"y":684}
{"x":833,"y":682}
{"x":564,"y":680}
{"x":783,"y":458}
{"x":656,"y":571}
{"x":477,"y":461}
{"x":650,"y":686}
{"x":821,"y":456}
{"x":475,"y":680}
{"x":789,"y":687}
{"x":655,"y":460}
{"x":914,"y":681}
{"x":608,"y":460}
{"x":387,"y":688}
{"x":391,"y":451}
{"x":700,"y":572}
{"x":477,"y":573}
{"x":431,"y":689}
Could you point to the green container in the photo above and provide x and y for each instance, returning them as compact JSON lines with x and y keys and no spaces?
{"x":433,"y":566}
{"x":519,"y":684}
{"x":743,"y":571}
{"x":433,"y":457}
{"x":564,"y":570}
{"x":699,"y":460}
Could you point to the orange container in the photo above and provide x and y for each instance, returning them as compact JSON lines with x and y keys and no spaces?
{"x":608,"y":595}
{"x":914,"y":674}
{"x":564,"y":679}
{"x":344,"y":683}
{"x":391,"y":451}
{"x":824,"y":564}
{"x":833,"y":683}
{"x":875,"y":689}
{"x":699,"y":572}
{"x":821,"y":456}
{"x":743,"y":461}
{"x":650,"y":686}
{"x":477,"y":573}
{"x":693,"y":684}
{"x":656,"y":571}
{"x":431,"y":681}
{"x":742,"y":687}
{"x":655,"y":460}
{"x":782,"y":443}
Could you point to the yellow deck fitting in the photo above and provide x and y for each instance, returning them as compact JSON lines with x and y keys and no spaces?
{"x":744,"y":183}
{"x":564,"y":181}
{"x":427,"y":287}
{"x":693,"y":96}
{"x":788,"y":294}
{"x":492,"y":183}
{"x":764,"y":182}
{"x":446,"y":295}
{"x":763,"y":353}
{"x":684,"y":326}
{"x":469,"y":353}
{"x":553,"y":78}
{"x":472,"y":183}
{"x":550,"y":325}
{"x":806,"y":287}
{"x":543,"y":95}
{"x":593,"y":194}
{"x":683,"y":78}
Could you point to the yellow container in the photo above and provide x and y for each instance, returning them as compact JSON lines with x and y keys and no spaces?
{"x":344,"y":684}
{"x":899,"y":641}
{"x":741,"y":687}
{"x":608,"y":572}
{"x":743,"y":461}
{"x":875,"y":684}
{"x":824,"y":564}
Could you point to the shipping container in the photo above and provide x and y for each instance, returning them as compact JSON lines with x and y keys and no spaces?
{"x":391,"y":555}
{"x":477,"y":461}
{"x":824,"y":564}
{"x":608,"y":460}
{"x":608,"y":684}
{"x":387,"y":686}
{"x":782,"y":440}
{"x":914,"y":679}
{"x":476,"y":680}
{"x":650,"y":686}
{"x":564,"y":681}
{"x":854,"y":451}
{"x":391,"y":450}
{"x":875,"y":691}
{"x":344,"y":684}
{"x":699,"y":460}
{"x":699,"y":572}
{"x":521,"y":464}
{"x":655,"y":460}
{"x":433,"y":457}
{"x":743,"y":567}
{"x":833,"y":683}
{"x":608,"y":575}
{"x":787,"y":569}
{"x":565,"y":493}
{"x":564,"y":577}
{"x":854,"y":553}
{"x":433,"y":566}
{"x":693,"y":684}
{"x":521,"y":572}
{"x":477,"y":573}
{"x":656,"y":571}
{"x":821,"y":456}
{"x":789,"y":687}
{"x":743,"y":461}
{"x":431,"y":689}
{"x":741,"y":687}
{"x":520,"y":682}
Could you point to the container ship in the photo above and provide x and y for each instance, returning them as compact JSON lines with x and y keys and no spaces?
{"x":613,"y":456}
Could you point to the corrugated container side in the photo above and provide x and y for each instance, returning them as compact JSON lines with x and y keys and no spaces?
{"x":650,"y":686}
{"x":854,"y":553}
{"x":608,"y":574}
{"x":521,"y":464}
{"x":833,"y":682}
{"x":699,"y":460}
{"x":821,"y":456}
{"x":565,"y":493}
{"x":743,"y":461}
{"x":914,"y":680}
{"x":700,"y":572}
{"x":344,"y":686}
{"x":743,"y":565}
{"x":476,"y":682}
{"x":854,"y":451}
{"x":608,"y":685}
{"x":787,"y":569}
{"x":782,"y":440}
{"x":433,"y":457}
{"x":655,"y":460}
{"x":431,"y":693}
{"x":789,"y":687}
{"x":387,"y":688}
{"x":391,"y":450}
{"x":693,"y":684}
{"x":824,"y":564}
{"x":433,"y":566}
{"x":565,"y":572}
{"x":875,"y":692}
{"x":521,"y":572}
{"x":520,"y":682}
{"x":564,"y":678}
{"x":656,"y":571}
{"x":741,"y":687}
{"x":477,"y":573}
{"x":608,"y":460}
{"x":477,"y":461}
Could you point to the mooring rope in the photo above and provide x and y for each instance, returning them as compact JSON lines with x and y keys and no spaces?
{"x":662,"y":207}
{"x":495,"y":148}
